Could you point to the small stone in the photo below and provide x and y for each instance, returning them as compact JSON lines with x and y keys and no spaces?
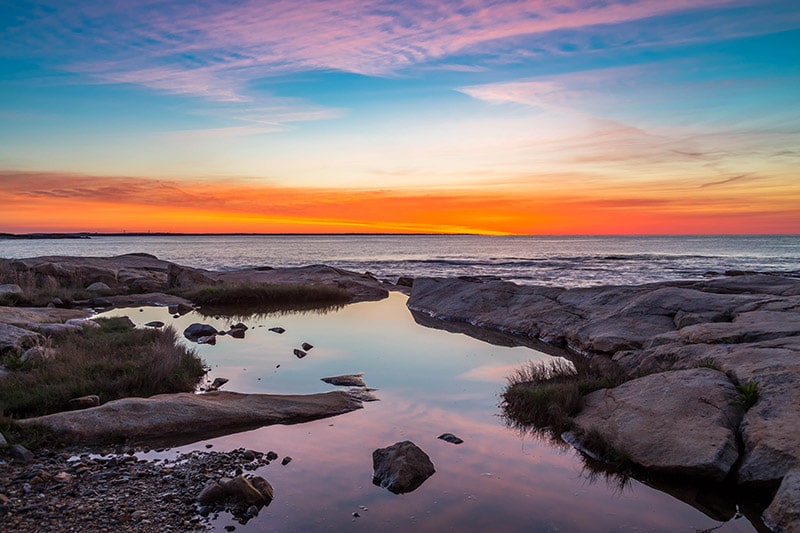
{"x":286,"y":460}
{"x":155,"y":324}
{"x":356,"y":515}
{"x":299,"y":353}
{"x":306,"y":346}
{"x":63,"y":477}
{"x":21,"y":454}
{"x":230,"y":528}
{"x":207,"y":339}
{"x":271,"y":456}
{"x":449,"y":437}
{"x":249,"y":455}
{"x":278,"y":330}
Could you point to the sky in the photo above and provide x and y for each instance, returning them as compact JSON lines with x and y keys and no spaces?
{"x":465,"y":116}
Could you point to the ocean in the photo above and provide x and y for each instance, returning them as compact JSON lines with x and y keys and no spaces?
{"x":567,"y":261}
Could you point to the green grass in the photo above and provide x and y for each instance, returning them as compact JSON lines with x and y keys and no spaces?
{"x":266,"y":294}
{"x":113,"y":361}
{"x":748,"y":394}
{"x":709,"y":362}
{"x":546,"y":396}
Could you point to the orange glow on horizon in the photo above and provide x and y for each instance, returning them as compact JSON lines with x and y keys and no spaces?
{"x":73,"y":203}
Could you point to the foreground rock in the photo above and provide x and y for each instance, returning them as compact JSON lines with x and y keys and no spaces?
{"x":784,"y":513}
{"x":746,"y":326}
{"x":401,"y":467}
{"x":681,"y":422}
{"x":187,"y":416}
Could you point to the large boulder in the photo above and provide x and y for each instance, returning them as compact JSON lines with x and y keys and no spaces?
{"x":197,"y":331}
{"x":180,"y":277}
{"x":14,"y":338}
{"x":679,"y":422}
{"x":401,"y":467}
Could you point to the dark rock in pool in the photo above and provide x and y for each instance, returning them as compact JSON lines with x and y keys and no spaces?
{"x":306,"y":346}
{"x":208,"y":339}
{"x":155,"y":324}
{"x":277,"y":330}
{"x":241,"y":326}
{"x":405,"y":281}
{"x":401,"y":467}
{"x":236,"y":333}
{"x":271,"y":456}
{"x":196,"y":330}
{"x":299,"y":353}
{"x":449,"y":437}
{"x":217,"y":383}
{"x":286,"y":460}
{"x":346,"y":380}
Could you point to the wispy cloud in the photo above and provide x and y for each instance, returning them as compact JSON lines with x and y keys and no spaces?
{"x":214,"y":50}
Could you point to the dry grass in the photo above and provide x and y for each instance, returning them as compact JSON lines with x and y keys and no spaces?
{"x":266,"y":294}
{"x":547,"y":395}
{"x":114,"y":361}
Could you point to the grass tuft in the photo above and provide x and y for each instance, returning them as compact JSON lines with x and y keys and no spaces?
{"x":266,"y":294}
{"x":748,"y":394}
{"x":113,"y":361}
{"x":547,"y":395}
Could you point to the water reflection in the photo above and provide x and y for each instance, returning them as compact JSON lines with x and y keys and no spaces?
{"x":429,"y":382}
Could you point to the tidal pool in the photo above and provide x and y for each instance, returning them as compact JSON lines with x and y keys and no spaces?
{"x":429,"y":382}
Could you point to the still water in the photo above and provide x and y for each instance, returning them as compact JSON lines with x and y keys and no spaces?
{"x":429,"y":382}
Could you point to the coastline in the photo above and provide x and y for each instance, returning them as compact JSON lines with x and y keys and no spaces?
{"x":654,"y":329}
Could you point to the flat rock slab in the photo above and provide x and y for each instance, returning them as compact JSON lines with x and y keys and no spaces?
{"x":679,"y":422}
{"x":25,"y":316}
{"x":178,"y":416}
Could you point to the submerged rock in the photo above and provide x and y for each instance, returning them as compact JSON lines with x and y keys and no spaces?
{"x":401,"y":467}
{"x":679,"y":422}
{"x":279,"y":330}
{"x":299,"y":353}
{"x":155,"y":324}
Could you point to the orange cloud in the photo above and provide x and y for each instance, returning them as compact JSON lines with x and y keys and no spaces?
{"x":38,"y":202}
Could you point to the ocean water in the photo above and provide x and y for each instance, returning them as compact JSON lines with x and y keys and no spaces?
{"x":571,"y":261}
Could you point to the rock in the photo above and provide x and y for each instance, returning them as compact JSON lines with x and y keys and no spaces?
{"x":217,"y":383}
{"x":640,"y":420}
{"x":783,"y":514}
{"x":57,"y":302}
{"x":299,"y":353}
{"x":271,"y":456}
{"x":346,"y":380}
{"x":184,"y":308}
{"x":14,"y":338}
{"x":286,"y":460}
{"x":98,"y":286}
{"x":20,"y":453}
{"x":240,"y":326}
{"x":63,"y":477}
{"x":278,"y":330}
{"x":85,"y":323}
{"x":405,"y":281}
{"x":401,"y":467}
{"x":196,"y":330}
{"x":212,"y":493}
{"x":180,"y":277}
{"x":57,"y":330}
{"x":236,"y":333}
{"x":11,"y":292}
{"x":37,"y":355}
{"x":449,"y":437}
{"x":188,"y":416}
{"x":155,"y":324}
{"x":241,"y":489}
{"x":3,"y":441}
{"x":306,"y":346}
{"x":84,"y":402}
{"x":210,"y":339}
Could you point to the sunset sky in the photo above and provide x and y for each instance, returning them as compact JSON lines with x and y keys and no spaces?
{"x":528,"y":116}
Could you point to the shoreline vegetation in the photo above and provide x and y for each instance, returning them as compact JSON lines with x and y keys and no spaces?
{"x":695,"y":380}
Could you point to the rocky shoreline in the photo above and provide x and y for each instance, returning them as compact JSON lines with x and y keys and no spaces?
{"x":688,"y":348}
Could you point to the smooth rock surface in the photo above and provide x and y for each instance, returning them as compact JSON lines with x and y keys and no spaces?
{"x":679,"y":422}
{"x":192,"y":415}
{"x":783,"y":514}
{"x":401,"y":467}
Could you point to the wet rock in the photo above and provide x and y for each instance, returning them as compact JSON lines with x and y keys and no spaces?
{"x":783,"y":514}
{"x":263,"y":486}
{"x":98,"y":286}
{"x":278,"y":330}
{"x":306,"y":346}
{"x":639,"y":419}
{"x":155,"y":324}
{"x":241,"y":489}
{"x":84,"y":402}
{"x":401,"y":467}
{"x":237,"y":333}
{"x":286,"y":460}
{"x":299,"y":353}
{"x":197,"y":330}
{"x":211,"y":494}
{"x":217,"y":383}
{"x":210,"y":339}
{"x":239,"y":325}
{"x":449,"y":437}
{"x":271,"y":456}
{"x":346,"y":380}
